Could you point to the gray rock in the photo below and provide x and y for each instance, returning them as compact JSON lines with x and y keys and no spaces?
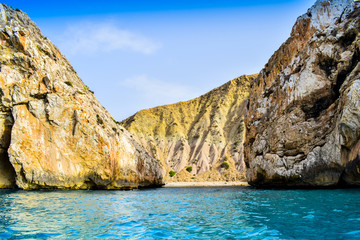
{"x":305,"y":104}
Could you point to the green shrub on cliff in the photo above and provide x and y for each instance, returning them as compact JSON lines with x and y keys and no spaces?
{"x":225,"y":165}
{"x":39,"y":48}
{"x":69,"y":83}
{"x":189,"y":169}
{"x":172,"y":173}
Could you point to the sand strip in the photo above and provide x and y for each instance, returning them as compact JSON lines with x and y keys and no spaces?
{"x":205,"y":184}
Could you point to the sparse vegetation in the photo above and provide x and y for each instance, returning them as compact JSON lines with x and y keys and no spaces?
{"x":225,"y":165}
{"x":172,"y":173}
{"x":226,"y":158}
{"x":39,"y":48}
{"x":189,"y":169}
{"x":99,"y":120}
{"x":69,"y":83}
{"x":86,"y":88}
{"x":116,"y":122}
{"x":80,"y":92}
{"x":237,"y":143}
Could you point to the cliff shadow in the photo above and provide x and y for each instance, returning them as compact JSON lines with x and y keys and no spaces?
{"x":7,"y":171}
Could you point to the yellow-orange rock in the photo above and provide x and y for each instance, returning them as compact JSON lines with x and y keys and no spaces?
{"x":54,"y":132}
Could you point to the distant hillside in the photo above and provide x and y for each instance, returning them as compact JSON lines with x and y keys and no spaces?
{"x":201,"y":139}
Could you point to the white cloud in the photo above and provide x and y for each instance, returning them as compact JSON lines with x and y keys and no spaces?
{"x":90,"y":38}
{"x":159,"y":92}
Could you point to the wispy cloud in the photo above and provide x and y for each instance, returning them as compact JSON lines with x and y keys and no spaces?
{"x":159,"y":92}
{"x":91,"y":37}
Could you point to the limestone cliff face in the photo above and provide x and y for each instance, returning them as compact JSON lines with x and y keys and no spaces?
{"x":303,"y":123}
{"x":202,"y":133}
{"x":54,"y":133}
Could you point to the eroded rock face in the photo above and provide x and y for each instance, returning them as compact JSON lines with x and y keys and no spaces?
{"x":54,"y":132}
{"x":202,"y":133}
{"x":303,"y":123}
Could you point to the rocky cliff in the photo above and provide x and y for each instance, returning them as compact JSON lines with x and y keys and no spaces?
{"x":53,"y":131}
{"x":303,"y":123}
{"x":201,"y":139}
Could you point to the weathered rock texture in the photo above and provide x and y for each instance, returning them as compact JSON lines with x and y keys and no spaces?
{"x":303,"y":123}
{"x":54,"y":133}
{"x":202,"y":133}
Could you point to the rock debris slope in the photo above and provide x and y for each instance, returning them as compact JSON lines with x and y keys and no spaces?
{"x":205,"y":133}
{"x":54,"y":132}
{"x":303,"y":123}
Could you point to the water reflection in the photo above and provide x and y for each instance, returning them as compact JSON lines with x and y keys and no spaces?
{"x":181,"y":213}
{"x":5,"y":206}
{"x":304,"y":214}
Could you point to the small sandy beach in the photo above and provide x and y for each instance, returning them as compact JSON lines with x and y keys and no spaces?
{"x":205,"y":184}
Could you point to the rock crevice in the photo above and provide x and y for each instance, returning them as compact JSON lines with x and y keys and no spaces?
{"x":303,"y":130}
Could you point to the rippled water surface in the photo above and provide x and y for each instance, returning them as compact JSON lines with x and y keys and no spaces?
{"x":181,"y":213}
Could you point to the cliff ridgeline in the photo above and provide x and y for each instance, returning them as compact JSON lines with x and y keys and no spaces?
{"x":53,"y":131}
{"x":295,"y":124}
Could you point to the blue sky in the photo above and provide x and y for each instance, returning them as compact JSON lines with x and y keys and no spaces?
{"x":141,"y":54}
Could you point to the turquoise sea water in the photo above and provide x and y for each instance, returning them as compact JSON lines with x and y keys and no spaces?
{"x":181,"y":213}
